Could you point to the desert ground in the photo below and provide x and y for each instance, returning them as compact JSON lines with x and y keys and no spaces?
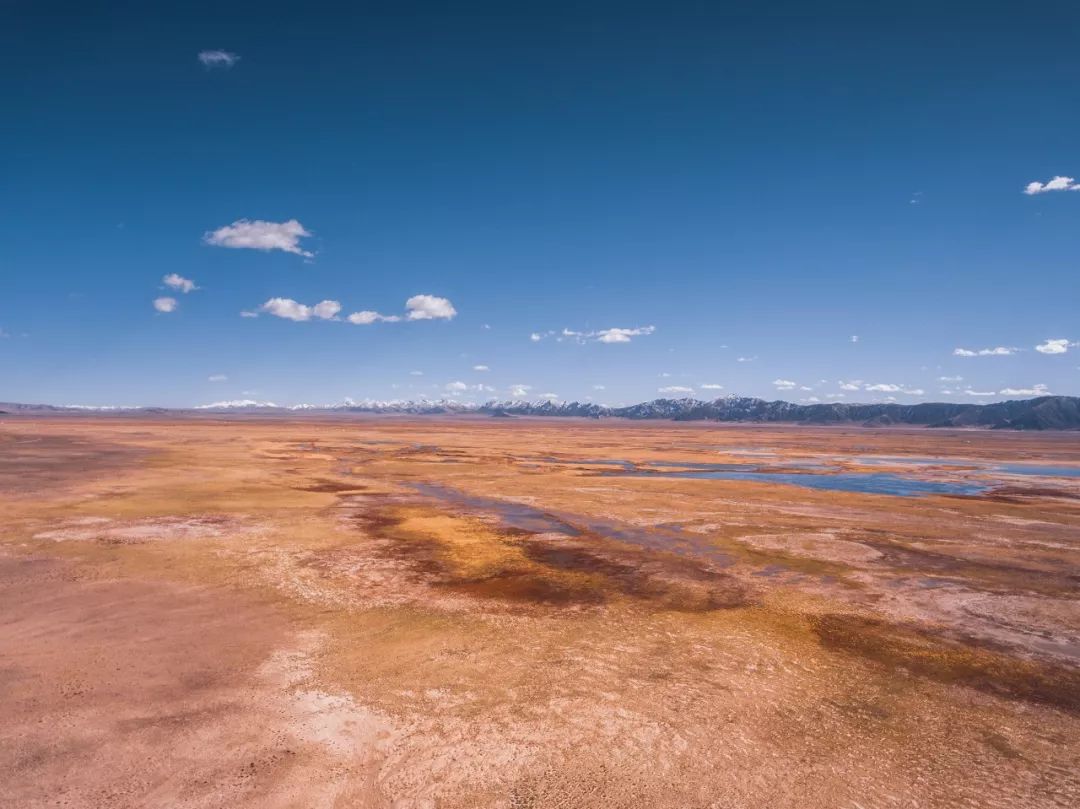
{"x":467,"y":612}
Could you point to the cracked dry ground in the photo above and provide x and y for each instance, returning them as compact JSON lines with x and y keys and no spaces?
{"x":478,"y":613}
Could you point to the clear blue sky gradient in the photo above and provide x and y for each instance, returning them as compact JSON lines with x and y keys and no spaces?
{"x":752,"y":182}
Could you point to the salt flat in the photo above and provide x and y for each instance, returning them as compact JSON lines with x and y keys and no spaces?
{"x":479,"y":612}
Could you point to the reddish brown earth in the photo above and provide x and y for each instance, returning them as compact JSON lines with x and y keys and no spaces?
{"x":475,"y":613}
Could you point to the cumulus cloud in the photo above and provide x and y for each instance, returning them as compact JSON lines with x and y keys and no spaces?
{"x":520,"y":391}
{"x":217,"y":378}
{"x":175,"y":281}
{"x":971,"y":392}
{"x":999,"y":351}
{"x":218,"y":58}
{"x":259,"y":235}
{"x":854,"y":384}
{"x":458,"y":387}
{"x":1058,"y":183}
{"x":950,"y":379}
{"x":1034,"y":390}
{"x":784,"y":384}
{"x":675,"y":389}
{"x":429,"y":307}
{"x":480,"y":368}
{"x":1055,"y":346}
{"x":854,"y":338}
{"x":291,"y":310}
{"x":165,"y":304}
{"x":549,"y":396}
{"x":711,"y":386}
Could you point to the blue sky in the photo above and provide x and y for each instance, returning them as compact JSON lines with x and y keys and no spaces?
{"x":736,"y":195}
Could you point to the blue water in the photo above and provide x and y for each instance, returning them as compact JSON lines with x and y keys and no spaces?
{"x":864,"y":482}
{"x":1037,"y":469}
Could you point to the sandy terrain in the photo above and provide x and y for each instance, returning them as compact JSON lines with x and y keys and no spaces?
{"x":504,"y":613}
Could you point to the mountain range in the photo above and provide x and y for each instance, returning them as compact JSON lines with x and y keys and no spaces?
{"x":1042,"y":413}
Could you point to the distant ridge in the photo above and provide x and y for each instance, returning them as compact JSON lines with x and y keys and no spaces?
{"x":1042,"y":413}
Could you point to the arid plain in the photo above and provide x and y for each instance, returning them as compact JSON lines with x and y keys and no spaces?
{"x":468,"y":612}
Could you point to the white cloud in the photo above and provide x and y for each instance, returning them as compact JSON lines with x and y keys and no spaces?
{"x":218,"y":58}
{"x":549,"y":396}
{"x":459,"y":386}
{"x":165,"y":304}
{"x":1034,"y":390}
{"x":520,"y":391}
{"x":429,"y":307}
{"x":248,"y":313}
{"x":175,"y":281}
{"x":888,"y":387}
{"x":711,"y":386}
{"x":675,"y":389}
{"x":259,"y":235}
{"x":291,"y":310}
{"x":599,"y":387}
{"x":416,"y":373}
{"x":367,"y":317}
{"x":835,"y":395}
{"x":746,"y":359}
{"x":327,"y":310}
{"x":811,"y":399}
{"x":612,"y":335}
{"x":480,"y":368}
{"x":854,"y":384}
{"x":950,"y":379}
{"x":1055,"y":346}
{"x":623,"y":335}
{"x":1058,"y":183}
{"x":854,"y":338}
{"x":999,"y":351}
{"x":217,"y":378}
{"x":785,"y":384}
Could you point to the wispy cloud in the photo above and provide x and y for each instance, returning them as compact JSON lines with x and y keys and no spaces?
{"x":218,"y":58}
{"x":1058,"y":183}
{"x":711,"y":386}
{"x":999,"y":351}
{"x":165,"y":304}
{"x":889,"y":387}
{"x":1034,"y":390}
{"x":675,"y":389}
{"x":260,"y":235}
{"x":612,"y":335}
{"x":784,"y":384}
{"x":178,"y":282}
{"x":480,"y":368}
{"x":367,"y":317}
{"x":217,"y":378}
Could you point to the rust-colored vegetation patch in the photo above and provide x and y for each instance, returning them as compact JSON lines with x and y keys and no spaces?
{"x":469,"y":556}
{"x":915,"y":650}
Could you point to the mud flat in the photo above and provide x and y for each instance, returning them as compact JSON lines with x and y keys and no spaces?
{"x":498,"y":613}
